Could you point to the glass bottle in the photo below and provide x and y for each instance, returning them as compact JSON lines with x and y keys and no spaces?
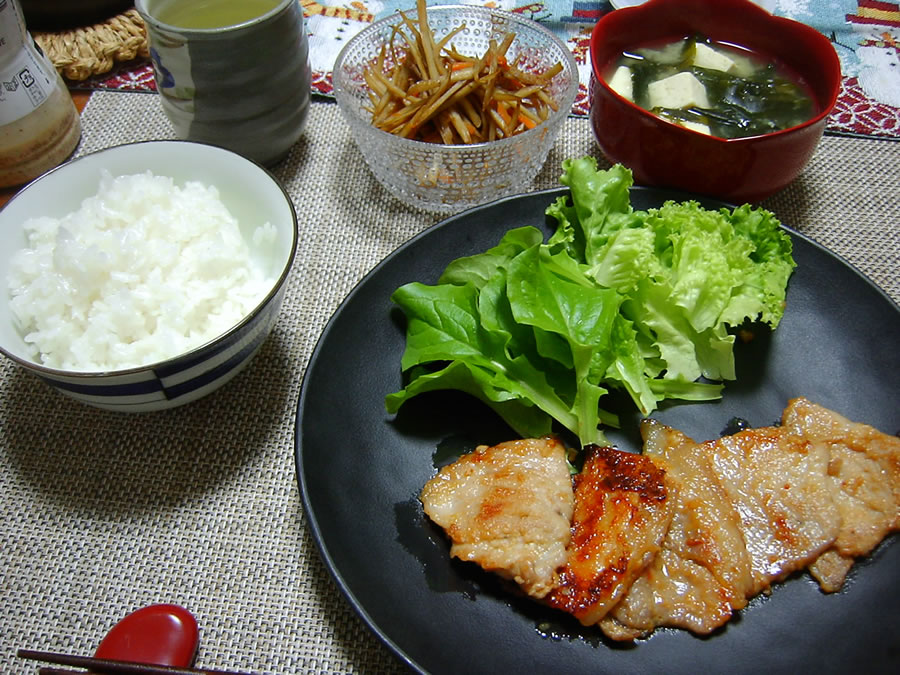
{"x":39,"y":124}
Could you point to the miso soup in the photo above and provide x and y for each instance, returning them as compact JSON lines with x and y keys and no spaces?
{"x":712,"y":87}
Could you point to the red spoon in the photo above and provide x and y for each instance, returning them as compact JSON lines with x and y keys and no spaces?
{"x":161,"y":635}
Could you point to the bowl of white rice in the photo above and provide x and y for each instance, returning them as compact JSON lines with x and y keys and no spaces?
{"x":144,"y":276}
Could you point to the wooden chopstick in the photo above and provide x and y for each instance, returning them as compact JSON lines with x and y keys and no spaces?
{"x":111,"y":666}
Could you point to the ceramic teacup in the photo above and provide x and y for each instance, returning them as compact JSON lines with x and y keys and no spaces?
{"x":234,"y":74}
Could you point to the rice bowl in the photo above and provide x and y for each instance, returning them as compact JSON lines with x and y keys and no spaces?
{"x":158,"y":312}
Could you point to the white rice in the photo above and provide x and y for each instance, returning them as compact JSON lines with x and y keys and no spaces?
{"x":141,"y":272}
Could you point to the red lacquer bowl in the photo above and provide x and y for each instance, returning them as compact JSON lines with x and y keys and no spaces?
{"x":663,"y":154}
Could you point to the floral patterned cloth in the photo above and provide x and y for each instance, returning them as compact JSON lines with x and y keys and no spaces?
{"x":865,"y":34}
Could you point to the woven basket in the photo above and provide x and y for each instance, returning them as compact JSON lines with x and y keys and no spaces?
{"x":80,"y":53}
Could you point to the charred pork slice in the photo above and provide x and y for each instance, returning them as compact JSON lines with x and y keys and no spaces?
{"x":864,"y":475}
{"x":507,"y":508}
{"x":622,"y":513}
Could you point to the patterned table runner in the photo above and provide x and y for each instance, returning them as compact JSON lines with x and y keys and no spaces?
{"x":865,"y":34}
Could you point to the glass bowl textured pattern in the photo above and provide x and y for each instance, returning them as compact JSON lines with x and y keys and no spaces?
{"x":449,"y":178}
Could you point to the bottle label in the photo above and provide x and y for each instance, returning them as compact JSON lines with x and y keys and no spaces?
{"x":27,"y":78}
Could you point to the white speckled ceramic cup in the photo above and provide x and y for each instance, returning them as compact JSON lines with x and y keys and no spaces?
{"x":243,"y":86}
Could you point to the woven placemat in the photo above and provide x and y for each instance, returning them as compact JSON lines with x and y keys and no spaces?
{"x":102,"y":513}
{"x":80,"y":53}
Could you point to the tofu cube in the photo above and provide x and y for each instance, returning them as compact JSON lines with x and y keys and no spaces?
{"x":622,"y":84}
{"x":707,"y":57}
{"x":677,"y":91}
{"x":696,"y":126}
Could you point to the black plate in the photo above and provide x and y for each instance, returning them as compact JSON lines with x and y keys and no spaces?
{"x":360,"y":472}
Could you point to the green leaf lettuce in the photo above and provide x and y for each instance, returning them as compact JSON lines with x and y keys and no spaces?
{"x":640,"y":301}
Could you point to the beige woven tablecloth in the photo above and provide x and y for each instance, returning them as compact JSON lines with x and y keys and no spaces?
{"x":102,"y":513}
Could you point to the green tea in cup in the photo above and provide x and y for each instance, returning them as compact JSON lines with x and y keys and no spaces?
{"x":212,"y":13}
{"x":233,"y":73}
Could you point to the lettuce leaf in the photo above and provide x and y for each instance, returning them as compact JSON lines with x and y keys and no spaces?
{"x":640,"y":301}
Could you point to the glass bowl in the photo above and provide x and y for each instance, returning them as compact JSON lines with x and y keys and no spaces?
{"x":449,"y":178}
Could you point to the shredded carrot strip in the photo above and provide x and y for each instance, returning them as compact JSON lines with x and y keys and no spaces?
{"x":526,"y":120}
{"x":503,"y":113}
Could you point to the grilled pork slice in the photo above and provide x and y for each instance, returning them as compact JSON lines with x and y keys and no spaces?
{"x":864,"y":476}
{"x":749,"y":509}
{"x":777,"y":482}
{"x":507,"y":508}
{"x":682,"y":535}
{"x":830,"y":569}
{"x":673,"y":591}
{"x":707,"y":527}
{"x":703,"y":572}
{"x":622,"y":513}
